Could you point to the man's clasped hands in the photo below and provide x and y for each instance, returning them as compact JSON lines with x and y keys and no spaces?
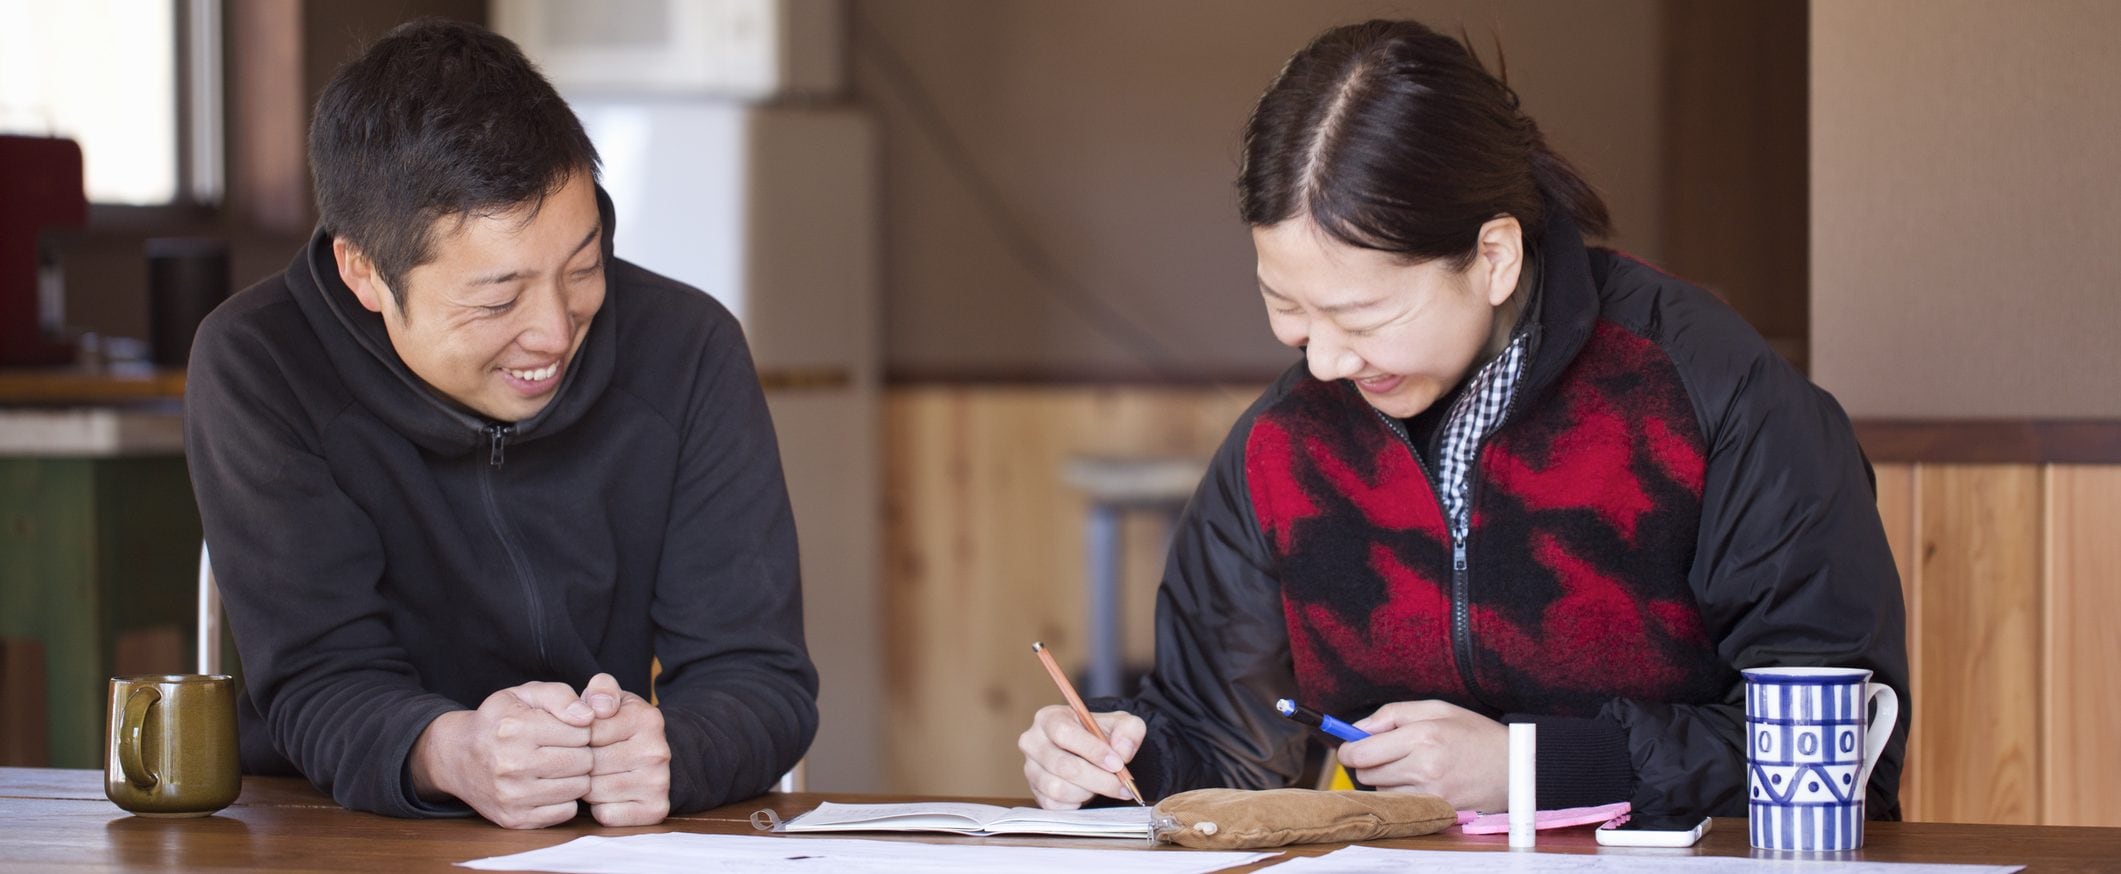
{"x":532,"y":753}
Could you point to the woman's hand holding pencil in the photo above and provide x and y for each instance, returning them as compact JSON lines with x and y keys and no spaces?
{"x":1072,"y":755}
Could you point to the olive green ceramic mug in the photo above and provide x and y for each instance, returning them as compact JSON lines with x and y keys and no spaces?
{"x":172,"y":749}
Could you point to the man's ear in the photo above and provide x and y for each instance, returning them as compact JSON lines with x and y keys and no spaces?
{"x":1501,"y":252}
{"x":359,"y":274}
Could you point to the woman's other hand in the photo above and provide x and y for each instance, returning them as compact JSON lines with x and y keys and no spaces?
{"x":1437,"y":748}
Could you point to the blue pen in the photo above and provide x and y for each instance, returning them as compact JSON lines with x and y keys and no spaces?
{"x":1319,"y":720}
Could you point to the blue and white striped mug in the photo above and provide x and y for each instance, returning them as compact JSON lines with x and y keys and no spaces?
{"x":1811,"y":742}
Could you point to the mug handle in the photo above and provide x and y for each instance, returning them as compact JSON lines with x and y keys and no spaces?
{"x":1880,"y":731}
{"x":130,"y":733}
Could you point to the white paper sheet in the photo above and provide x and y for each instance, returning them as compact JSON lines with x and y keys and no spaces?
{"x":963,"y":818}
{"x":1374,"y":860}
{"x":682,"y":853}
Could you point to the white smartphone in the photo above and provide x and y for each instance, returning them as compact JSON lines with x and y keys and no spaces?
{"x":1654,"y":831}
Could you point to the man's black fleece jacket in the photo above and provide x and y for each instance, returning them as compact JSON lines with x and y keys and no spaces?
{"x":386,"y":556}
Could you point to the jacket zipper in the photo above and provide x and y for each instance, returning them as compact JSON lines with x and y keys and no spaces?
{"x":497,"y":436}
{"x":1461,"y":608}
{"x":1461,"y":573}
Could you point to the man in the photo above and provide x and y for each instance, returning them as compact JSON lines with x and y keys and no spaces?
{"x":465,"y":476}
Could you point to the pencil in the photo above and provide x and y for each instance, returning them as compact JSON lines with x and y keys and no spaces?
{"x":1082,"y":712}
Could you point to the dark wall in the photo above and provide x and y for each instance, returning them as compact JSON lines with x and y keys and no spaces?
{"x":278,"y":56}
{"x":1058,"y":177}
{"x":1737,"y":205}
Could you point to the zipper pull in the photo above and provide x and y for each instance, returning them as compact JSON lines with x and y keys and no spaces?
{"x":498,"y":434}
{"x":1458,"y":553}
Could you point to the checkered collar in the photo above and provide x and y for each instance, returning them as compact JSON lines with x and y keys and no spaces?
{"x":1482,"y":406}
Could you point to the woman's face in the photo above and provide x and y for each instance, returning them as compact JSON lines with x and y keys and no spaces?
{"x":1404,"y":333}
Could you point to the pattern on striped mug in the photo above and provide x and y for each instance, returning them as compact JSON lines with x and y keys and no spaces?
{"x":1810,"y":746}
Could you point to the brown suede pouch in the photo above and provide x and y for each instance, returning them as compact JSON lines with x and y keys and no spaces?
{"x":1238,"y":819}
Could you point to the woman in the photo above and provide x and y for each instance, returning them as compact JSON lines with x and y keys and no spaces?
{"x":1517,"y":479}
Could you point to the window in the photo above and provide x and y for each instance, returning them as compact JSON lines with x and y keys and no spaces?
{"x":135,"y":82}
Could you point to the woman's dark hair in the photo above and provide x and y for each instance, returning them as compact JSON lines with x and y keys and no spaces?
{"x":1391,"y":136}
{"x":438,"y":118}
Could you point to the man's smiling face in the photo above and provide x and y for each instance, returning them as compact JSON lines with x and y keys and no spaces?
{"x":494,"y":319}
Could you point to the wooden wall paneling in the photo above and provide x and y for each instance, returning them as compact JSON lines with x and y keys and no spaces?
{"x":1978,"y":695}
{"x":1896,"y":509}
{"x":985,"y":554}
{"x":914,"y":431}
{"x":942,"y":580}
{"x":2083,"y":693}
{"x":1991,"y":441}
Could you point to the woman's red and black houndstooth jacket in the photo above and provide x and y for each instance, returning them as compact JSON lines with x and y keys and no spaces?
{"x":1667,"y":502}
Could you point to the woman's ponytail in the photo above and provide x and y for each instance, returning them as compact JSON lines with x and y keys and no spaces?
{"x":1565,"y":190}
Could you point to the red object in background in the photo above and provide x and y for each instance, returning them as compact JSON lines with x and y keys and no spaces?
{"x":40,"y":187}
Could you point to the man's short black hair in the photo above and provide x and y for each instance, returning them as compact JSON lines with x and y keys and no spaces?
{"x":436,"y":119}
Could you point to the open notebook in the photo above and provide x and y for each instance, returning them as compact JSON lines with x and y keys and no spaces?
{"x":973,"y":819}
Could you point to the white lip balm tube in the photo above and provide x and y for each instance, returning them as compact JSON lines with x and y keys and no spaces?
{"x":1524,"y":784}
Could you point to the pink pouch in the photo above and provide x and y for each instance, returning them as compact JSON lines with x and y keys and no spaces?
{"x":1474,"y":823}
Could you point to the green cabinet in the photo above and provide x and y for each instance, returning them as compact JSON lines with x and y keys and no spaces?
{"x":99,"y":566}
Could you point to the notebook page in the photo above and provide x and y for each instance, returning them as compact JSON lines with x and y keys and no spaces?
{"x":939,"y":815}
{"x":1129,"y":821}
{"x":968,"y":818}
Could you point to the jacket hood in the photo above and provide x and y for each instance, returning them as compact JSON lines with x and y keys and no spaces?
{"x":378,"y":379}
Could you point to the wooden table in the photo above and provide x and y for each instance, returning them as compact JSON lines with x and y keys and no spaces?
{"x":59,"y":819}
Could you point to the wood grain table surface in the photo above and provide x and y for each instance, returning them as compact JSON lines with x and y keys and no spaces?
{"x":59,"y":820}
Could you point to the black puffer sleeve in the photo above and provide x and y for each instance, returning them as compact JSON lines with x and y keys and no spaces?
{"x":1222,"y":648}
{"x":1791,"y":566}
